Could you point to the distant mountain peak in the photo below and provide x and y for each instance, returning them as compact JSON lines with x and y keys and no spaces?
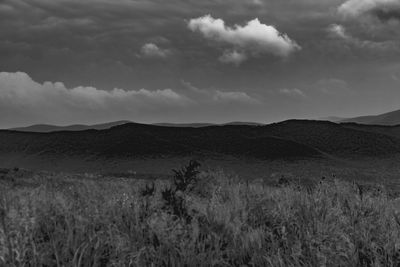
{"x":388,"y":118}
{"x":47,"y":128}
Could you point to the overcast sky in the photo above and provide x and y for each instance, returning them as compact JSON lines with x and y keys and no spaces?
{"x":91,"y":61}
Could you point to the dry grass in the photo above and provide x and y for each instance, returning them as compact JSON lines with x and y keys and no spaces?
{"x":88,"y":222}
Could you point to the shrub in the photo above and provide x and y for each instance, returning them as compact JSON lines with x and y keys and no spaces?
{"x":183,"y":182}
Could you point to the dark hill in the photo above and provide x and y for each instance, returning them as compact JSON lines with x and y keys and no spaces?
{"x":335,"y":139}
{"x":183,"y":125}
{"x":285,"y":140}
{"x":138,"y":140}
{"x":381,"y":129}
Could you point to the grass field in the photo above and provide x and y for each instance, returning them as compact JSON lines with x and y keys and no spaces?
{"x":206,"y":218}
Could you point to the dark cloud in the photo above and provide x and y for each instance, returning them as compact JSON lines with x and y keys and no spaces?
{"x":135,"y":44}
{"x":387,"y":14}
{"x":340,"y":32}
{"x":384,"y":10}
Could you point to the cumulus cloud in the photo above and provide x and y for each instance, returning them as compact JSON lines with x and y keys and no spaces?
{"x":252,"y":39}
{"x":24,"y":101}
{"x":384,"y":10}
{"x":152,"y":50}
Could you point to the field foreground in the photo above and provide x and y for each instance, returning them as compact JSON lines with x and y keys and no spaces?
{"x":195,"y":219}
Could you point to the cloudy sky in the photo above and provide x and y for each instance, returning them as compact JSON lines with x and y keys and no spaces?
{"x":92,"y":61}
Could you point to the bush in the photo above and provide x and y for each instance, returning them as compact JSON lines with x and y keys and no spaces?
{"x":183,"y":182}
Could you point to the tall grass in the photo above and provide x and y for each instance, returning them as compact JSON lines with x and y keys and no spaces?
{"x":83,"y":222}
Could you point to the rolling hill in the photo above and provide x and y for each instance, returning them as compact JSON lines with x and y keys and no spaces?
{"x":336,"y":139}
{"x":389,"y":118}
{"x":288,"y":140}
{"x":381,"y":129}
{"x":47,"y":128}
{"x":183,"y":125}
{"x":331,"y":119}
{"x":140,"y":140}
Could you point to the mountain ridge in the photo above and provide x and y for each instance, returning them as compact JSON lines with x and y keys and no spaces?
{"x":389,"y":118}
{"x":47,"y":128}
{"x":287,"y":140}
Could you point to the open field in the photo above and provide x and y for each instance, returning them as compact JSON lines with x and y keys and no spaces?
{"x":210,"y":218}
{"x":365,"y":170}
{"x":215,"y":133}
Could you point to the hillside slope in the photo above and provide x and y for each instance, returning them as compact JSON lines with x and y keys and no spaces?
{"x":137,"y":140}
{"x":335,"y":139}
{"x":381,"y":129}
{"x":293,"y":139}
{"x":389,"y":118}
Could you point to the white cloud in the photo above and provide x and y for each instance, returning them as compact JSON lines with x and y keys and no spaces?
{"x":24,"y":101}
{"x":252,"y":39}
{"x":21,"y":98}
{"x":293,"y":92}
{"x":152,"y":50}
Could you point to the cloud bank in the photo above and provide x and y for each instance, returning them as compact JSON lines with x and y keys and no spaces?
{"x":338,"y":31}
{"x":24,"y":101}
{"x":252,"y":39}
{"x":384,"y":10}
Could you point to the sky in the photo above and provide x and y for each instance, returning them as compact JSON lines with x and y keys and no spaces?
{"x":91,"y":61}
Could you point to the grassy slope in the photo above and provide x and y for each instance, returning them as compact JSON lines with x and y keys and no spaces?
{"x":80,"y":221}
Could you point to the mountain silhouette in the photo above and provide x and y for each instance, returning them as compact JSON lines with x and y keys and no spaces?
{"x":47,"y":128}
